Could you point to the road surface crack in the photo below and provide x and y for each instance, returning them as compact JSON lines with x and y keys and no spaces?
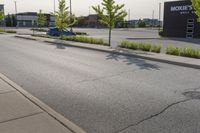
{"x":152,"y":116}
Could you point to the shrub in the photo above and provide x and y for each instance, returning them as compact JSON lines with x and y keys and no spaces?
{"x":11,"y":31}
{"x":82,"y":39}
{"x":145,"y":46}
{"x":141,"y":23}
{"x":129,"y":45}
{"x":190,"y":52}
{"x":8,"y":31}
{"x":85,"y":39}
{"x":2,"y":30}
{"x":81,"y":33}
{"x":156,"y":48}
{"x":138,"y":45}
{"x":172,"y":50}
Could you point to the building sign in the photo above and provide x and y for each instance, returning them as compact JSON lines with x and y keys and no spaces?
{"x":183,"y":9}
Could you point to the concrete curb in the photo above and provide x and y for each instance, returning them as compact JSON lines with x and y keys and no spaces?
{"x":27,"y":38}
{"x":65,"y":122}
{"x":120,"y":51}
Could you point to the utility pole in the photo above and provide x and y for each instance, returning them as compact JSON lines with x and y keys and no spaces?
{"x":129,"y":14}
{"x":54,"y":6}
{"x":16,"y":13}
{"x":159,"y":16}
{"x":152,"y":19}
{"x":71,"y":15}
{"x":89,"y":10}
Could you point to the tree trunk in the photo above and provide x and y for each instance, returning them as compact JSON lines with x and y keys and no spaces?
{"x":110,"y":30}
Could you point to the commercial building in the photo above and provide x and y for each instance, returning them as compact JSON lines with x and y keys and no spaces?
{"x":90,"y":21}
{"x":151,"y":22}
{"x":29,"y":19}
{"x":180,"y":20}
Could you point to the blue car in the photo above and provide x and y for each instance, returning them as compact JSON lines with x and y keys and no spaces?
{"x":57,"y":32}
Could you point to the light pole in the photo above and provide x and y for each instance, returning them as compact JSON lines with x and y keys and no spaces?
{"x":16,"y":13}
{"x":153,"y":19}
{"x":89,"y":10}
{"x":159,"y":16}
{"x":71,"y":15}
{"x":54,"y":6}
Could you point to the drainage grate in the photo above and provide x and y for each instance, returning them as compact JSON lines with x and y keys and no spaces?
{"x":192,"y":94}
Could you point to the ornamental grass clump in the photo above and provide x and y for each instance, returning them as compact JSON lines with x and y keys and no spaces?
{"x":172,"y":50}
{"x":85,"y":39}
{"x":190,"y":52}
{"x":129,"y":45}
{"x":156,"y":48}
{"x":145,"y":46}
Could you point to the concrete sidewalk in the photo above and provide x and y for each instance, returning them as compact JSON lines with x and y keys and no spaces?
{"x":159,"y":57}
{"x":19,"y":113}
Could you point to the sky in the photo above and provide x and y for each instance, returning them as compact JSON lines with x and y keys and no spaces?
{"x":138,"y":8}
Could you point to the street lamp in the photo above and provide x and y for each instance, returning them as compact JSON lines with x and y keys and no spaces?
{"x":71,"y":15}
{"x":16,"y":13}
{"x":54,"y":5}
{"x":159,"y":16}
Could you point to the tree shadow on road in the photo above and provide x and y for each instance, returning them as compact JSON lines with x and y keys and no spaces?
{"x":141,"y":63}
{"x":60,"y":46}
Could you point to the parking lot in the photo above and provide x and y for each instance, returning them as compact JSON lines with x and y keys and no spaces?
{"x":137,"y":34}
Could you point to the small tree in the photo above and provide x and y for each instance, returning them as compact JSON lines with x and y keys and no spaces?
{"x":8,"y":20}
{"x":110,"y":13}
{"x":41,"y":19}
{"x":141,"y":23}
{"x":14,"y":21}
{"x":196,"y":6}
{"x":2,"y":16}
{"x":63,"y":18}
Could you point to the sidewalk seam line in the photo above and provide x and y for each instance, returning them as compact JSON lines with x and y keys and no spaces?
{"x":8,"y":92}
{"x":21,"y":117}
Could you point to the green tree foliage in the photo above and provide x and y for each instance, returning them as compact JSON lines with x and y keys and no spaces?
{"x":41,"y":19}
{"x":8,"y":20}
{"x":141,"y":23}
{"x":110,"y":13}
{"x":14,"y":21}
{"x":63,"y":17}
{"x":196,"y":6}
{"x":1,"y":15}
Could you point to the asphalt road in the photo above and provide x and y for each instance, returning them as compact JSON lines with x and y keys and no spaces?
{"x":105,"y":93}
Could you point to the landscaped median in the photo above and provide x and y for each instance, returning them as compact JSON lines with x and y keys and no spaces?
{"x":77,"y":38}
{"x":156,"y":48}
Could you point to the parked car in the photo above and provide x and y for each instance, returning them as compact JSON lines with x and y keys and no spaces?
{"x":57,"y":32}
